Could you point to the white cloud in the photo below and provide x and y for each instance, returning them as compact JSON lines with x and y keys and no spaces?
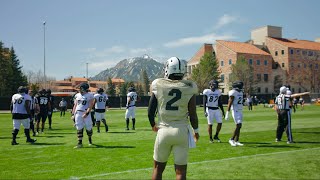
{"x":225,"y":20}
{"x":208,"y":38}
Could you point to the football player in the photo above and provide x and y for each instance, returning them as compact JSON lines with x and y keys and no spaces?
{"x":33,"y":111}
{"x":42,"y":103}
{"x":235,"y":103}
{"x":131,"y":107}
{"x":176,"y":102}
{"x":50,"y":111}
{"x":20,"y":109}
{"x":101,"y":101}
{"x":83,"y":104}
{"x":212,"y":103}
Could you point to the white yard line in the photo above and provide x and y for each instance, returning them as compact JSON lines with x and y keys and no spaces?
{"x":199,"y":162}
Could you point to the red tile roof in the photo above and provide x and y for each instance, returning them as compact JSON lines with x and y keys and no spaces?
{"x":204,"y":49}
{"x":299,"y":44}
{"x":240,"y":47}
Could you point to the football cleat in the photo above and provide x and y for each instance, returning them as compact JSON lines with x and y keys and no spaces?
{"x":232,"y":143}
{"x":211,"y":140}
{"x":31,"y":141}
{"x":238,"y":143}
{"x":277,"y":140}
{"x":14,"y":143}
{"x":78,"y":146}
{"x":216,"y":138}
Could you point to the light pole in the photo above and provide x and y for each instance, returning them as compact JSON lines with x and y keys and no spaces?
{"x":87,"y":70}
{"x":44,"y":53}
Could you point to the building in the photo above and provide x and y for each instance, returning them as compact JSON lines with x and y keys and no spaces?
{"x":275,"y":60}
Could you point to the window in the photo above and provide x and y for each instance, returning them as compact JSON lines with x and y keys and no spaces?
{"x":292,"y":65}
{"x":266,"y":90}
{"x":299,"y":90}
{"x":276,"y":53}
{"x":310,"y":53}
{"x":265,"y":62}
{"x":291,"y":51}
{"x":258,"y":77}
{"x":304,"y":52}
{"x":316,"y":66}
{"x":250,"y":61}
{"x":258,"y":62}
{"x":222,"y":90}
{"x":299,"y":65}
{"x":310,"y":66}
{"x":305,"y":65}
{"x":221,"y":63}
{"x":282,"y":64}
{"x":222,"y":77}
{"x":265,"y":77}
{"x":258,"y":89}
{"x":298,"y":51}
{"x":282,"y":52}
{"x":292,"y":90}
{"x":230,"y":61}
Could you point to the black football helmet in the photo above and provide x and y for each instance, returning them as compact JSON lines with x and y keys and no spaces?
{"x":22,"y":89}
{"x":84,"y":87}
{"x":43,"y":91}
{"x":100,"y":90}
{"x":213,"y":84}
{"x":238,"y":85}
{"x":131,"y":89}
{"x":49,"y":91}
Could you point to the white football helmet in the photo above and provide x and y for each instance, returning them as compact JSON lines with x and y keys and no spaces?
{"x":175,"y":66}
{"x":283,"y":90}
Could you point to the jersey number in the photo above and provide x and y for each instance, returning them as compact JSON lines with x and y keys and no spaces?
{"x":240,"y":100}
{"x":177,"y":96}
{"x":101,"y":98}
{"x":211,"y":98}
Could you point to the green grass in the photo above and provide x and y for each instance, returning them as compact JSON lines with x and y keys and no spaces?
{"x":121,"y":154}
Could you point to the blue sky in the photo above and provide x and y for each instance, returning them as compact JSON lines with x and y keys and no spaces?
{"x":103,"y":32}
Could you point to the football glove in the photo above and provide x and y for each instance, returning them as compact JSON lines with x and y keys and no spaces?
{"x":205,"y":114}
{"x":227,"y":116}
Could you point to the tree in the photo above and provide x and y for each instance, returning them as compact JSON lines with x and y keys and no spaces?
{"x":146,"y":81}
{"x":123,"y":89}
{"x":205,"y":71}
{"x":243,"y":71}
{"x":111,"y":90}
{"x":5,"y":71}
{"x":139,"y":89}
{"x":18,"y":78}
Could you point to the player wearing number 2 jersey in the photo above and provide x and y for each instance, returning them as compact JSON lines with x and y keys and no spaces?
{"x":174,"y":99}
{"x":100,"y":100}
{"x":83,"y":104}
{"x":211,"y":104}
{"x":235,"y":103}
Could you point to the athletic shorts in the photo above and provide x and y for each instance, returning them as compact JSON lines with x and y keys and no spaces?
{"x":237,"y":116}
{"x":214,"y":114}
{"x":131,"y":112}
{"x":81,"y":122}
{"x":17,"y":123}
{"x":173,"y":139}
{"x":99,"y":115}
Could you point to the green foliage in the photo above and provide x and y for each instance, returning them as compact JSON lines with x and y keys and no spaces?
{"x":123,"y":89}
{"x":146,"y":81}
{"x":111,"y":89}
{"x":243,"y":71}
{"x":11,"y":76}
{"x":121,"y":154}
{"x":205,"y":71}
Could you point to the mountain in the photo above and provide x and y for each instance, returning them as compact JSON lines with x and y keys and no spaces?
{"x":130,"y":69}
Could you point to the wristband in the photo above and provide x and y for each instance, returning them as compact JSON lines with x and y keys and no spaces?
{"x":196,"y":130}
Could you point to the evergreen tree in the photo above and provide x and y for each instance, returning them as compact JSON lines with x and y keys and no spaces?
{"x":139,"y":89}
{"x":18,"y":78}
{"x":205,"y":71}
{"x":146,"y":82}
{"x":123,"y":89}
{"x":243,"y":71}
{"x":5,"y":72}
{"x":111,"y":90}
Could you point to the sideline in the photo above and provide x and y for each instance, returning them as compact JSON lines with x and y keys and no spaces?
{"x":199,"y":162}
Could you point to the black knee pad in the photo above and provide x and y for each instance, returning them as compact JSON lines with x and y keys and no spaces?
{"x":15,"y":131}
{"x":80,"y":133}
{"x":239,"y":125}
{"x":89,"y":132}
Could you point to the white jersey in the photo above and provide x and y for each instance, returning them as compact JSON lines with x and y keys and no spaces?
{"x":82,"y":101}
{"x":133,"y":98}
{"x":237,"y":104}
{"x":101,"y":100}
{"x":212,"y":97}
{"x":173,"y":98}
{"x":18,"y":103}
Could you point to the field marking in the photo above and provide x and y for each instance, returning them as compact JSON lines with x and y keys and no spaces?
{"x":199,"y":162}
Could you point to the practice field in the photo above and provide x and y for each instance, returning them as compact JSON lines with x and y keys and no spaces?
{"x":121,"y":154}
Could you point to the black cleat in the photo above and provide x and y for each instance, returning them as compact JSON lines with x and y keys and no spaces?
{"x":14,"y":143}
{"x":216,"y":138}
{"x":32,"y":141}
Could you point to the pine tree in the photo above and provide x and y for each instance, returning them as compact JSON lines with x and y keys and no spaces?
{"x":146,"y":82}
{"x":111,"y":91}
{"x":18,"y":78}
{"x":5,"y":72}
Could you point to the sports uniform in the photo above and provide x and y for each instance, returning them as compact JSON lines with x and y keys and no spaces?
{"x":174,"y":99}
{"x":20,"y":109}
{"x":50,"y":110}
{"x":100,"y":100}
{"x":235,"y":104}
{"x":211,"y":104}
{"x":81,"y":112}
{"x":42,"y":101}
{"x":131,"y":107}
